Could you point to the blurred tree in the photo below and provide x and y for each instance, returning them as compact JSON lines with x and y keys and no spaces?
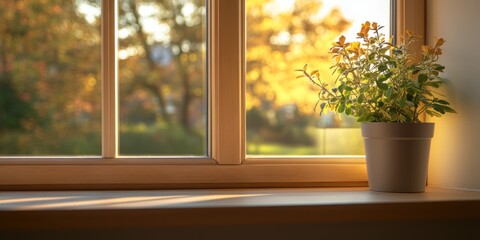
{"x":283,"y":36}
{"x":168,"y":39}
{"x":162,"y":74}
{"x":13,"y":109}
{"x":280,"y":38}
{"x":49,"y":77}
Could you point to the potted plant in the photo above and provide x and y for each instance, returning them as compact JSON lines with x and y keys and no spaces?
{"x":383,"y":87}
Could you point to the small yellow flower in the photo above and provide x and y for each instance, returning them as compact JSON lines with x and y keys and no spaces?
{"x":365,"y":28}
{"x":366,"y":24}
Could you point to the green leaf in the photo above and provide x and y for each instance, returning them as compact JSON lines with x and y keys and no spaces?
{"x":370,"y":118}
{"x":443,"y":102}
{"x":382,"y":67}
{"x":382,"y":86}
{"x":449,"y":109}
{"x":422,"y":78}
{"x":341,"y":108}
{"x":439,"y":67}
{"x":348,"y":111}
{"x":389,"y":75}
{"x":433,"y":113}
{"x":439,"y":108}
{"x":443,"y":109}
{"x":383,"y":78}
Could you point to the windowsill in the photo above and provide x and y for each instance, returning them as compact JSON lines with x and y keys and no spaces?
{"x":228,"y":207}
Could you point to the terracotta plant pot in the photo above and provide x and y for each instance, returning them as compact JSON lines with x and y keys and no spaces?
{"x":397,"y":155}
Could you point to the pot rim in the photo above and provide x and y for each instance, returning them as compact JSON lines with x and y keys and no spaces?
{"x":399,"y":123}
{"x":397,"y":130}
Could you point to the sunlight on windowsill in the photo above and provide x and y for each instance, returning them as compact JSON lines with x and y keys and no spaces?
{"x":218,"y":198}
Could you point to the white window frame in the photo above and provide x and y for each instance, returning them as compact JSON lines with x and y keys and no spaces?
{"x":228,"y":165}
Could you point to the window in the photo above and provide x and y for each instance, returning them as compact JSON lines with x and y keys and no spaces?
{"x":283,"y":36}
{"x":54,"y":107}
{"x":162,"y":77}
{"x":223,"y":162}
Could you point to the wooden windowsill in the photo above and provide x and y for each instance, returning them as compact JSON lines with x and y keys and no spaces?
{"x":228,"y":207}
{"x":299,"y":213}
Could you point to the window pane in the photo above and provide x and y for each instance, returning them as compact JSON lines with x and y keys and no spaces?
{"x":50,"y":77}
{"x":283,"y":35}
{"x":162,"y":57}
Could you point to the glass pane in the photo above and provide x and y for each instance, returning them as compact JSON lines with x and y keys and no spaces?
{"x":283,"y":35}
{"x":162,"y":74}
{"x":50,"y":77}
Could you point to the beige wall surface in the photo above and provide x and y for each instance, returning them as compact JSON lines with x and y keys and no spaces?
{"x":455,"y":156}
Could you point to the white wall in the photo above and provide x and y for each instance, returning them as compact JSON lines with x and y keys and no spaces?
{"x":455,"y":156}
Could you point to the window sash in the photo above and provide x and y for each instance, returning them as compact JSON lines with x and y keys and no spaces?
{"x":227,"y":166}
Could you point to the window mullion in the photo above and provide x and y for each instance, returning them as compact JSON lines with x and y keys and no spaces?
{"x":109,"y":79}
{"x":226,"y":73}
{"x":410,"y":17}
